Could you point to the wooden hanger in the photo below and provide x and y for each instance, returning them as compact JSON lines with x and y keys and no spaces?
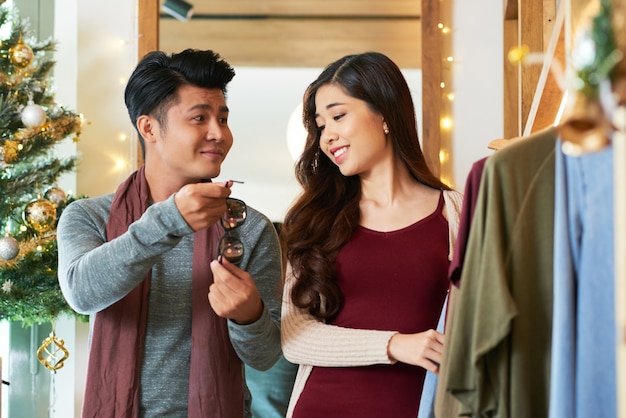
{"x":497,"y":144}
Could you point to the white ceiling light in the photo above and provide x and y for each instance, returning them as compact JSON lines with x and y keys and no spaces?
{"x":296,"y":134}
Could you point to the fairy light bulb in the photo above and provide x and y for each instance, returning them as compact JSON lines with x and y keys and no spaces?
{"x":446,"y":122}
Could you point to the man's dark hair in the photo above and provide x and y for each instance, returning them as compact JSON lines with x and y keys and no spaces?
{"x":152,"y":88}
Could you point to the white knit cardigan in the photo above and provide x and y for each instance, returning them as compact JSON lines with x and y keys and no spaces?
{"x":309,"y":342}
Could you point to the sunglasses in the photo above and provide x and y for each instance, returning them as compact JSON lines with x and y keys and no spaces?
{"x":229,"y":247}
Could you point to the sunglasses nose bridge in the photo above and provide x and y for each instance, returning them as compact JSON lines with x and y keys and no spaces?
{"x":229,"y":223}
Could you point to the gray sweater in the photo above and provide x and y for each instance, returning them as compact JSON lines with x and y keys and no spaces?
{"x":94,"y":274}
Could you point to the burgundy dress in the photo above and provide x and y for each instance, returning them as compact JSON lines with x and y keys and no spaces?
{"x":390,"y":281}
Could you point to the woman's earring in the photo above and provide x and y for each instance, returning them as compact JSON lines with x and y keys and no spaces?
{"x":386,"y":129}
{"x":316,"y":162}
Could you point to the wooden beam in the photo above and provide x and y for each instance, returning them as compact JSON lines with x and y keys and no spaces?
{"x":512,"y":76}
{"x":147,"y":26}
{"x":297,"y":42}
{"x":531,"y":26}
{"x":532,"y":92}
{"x":431,"y":90}
{"x":550,"y":88}
{"x":409,"y":8}
{"x":147,"y":39}
{"x":510,"y":9}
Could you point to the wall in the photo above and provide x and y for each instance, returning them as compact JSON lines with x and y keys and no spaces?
{"x":478,"y":82}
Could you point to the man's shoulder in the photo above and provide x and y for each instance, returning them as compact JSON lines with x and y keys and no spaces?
{"x":257,"y":223}
{"x":96,"y":206}
{"x":257,"y":215}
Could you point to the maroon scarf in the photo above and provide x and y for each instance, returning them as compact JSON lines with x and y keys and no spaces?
{"x":113,"y":376}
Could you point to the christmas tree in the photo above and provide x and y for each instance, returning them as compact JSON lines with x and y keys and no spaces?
{"x":31,"y":125}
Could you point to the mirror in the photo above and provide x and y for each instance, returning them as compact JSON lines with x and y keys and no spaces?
{"x":279,"y":46}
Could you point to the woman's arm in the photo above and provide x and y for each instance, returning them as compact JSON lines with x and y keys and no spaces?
{"x":306,"y":340}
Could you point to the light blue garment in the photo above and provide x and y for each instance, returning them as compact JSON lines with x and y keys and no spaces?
{"x":271,"y":389}
{"x":583,"y":381}
{"x":562,"y":370}
{"x":429,"y":391}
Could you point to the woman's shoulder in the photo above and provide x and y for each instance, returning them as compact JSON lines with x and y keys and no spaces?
{"x":453,"y":200}
{"x":453,"y":195}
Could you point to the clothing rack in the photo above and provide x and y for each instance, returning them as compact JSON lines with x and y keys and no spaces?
{"x":568,"y":12}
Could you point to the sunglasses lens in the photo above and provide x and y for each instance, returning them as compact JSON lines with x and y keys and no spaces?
{"x":235,"y":214}
{"x":231,"y":249}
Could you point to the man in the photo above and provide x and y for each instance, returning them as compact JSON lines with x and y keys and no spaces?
{"x":142,"y":260}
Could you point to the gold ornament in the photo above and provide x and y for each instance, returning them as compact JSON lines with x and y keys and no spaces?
{"x":40,"y":215}
{"x":9,"y":150}
{"x":21,"y":134}
{"x":21,"y":55}
{"x":52,"y":352}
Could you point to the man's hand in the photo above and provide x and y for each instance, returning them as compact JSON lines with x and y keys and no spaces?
{"x":234,"y":294}
{"x":202,"y":204}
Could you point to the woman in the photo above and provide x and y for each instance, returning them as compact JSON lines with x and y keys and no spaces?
{"x":368,"y":245}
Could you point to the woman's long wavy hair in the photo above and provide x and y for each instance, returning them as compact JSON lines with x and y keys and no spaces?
{"x":325,"y":215}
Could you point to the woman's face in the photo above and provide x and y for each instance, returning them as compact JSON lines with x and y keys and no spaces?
{"x":351,"y":133}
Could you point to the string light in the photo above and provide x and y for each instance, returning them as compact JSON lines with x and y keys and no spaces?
{"x":443,"y":156}
{"x":123,"y":48}
{"x":446,"y":123}
{"x":120,"y":164}
{"x":444,"y":29}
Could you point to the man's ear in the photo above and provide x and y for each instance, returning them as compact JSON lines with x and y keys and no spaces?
{"x":146,"y":126}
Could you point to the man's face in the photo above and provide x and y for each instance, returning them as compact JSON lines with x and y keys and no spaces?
{"x":196,"y":138}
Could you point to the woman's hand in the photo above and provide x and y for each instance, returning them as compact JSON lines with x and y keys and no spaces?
{"x":423,"y":349}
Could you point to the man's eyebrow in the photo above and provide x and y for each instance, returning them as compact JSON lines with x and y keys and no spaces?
{"x":222,"y":109}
